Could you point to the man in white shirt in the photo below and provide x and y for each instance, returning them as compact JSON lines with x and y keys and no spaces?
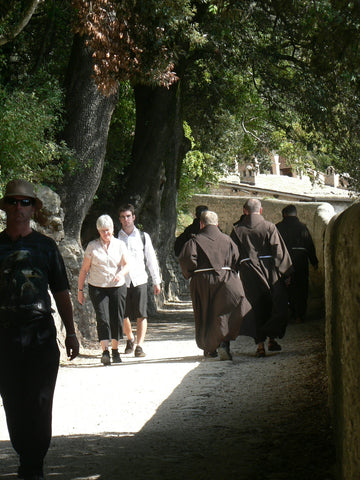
{"x":141,"y":254}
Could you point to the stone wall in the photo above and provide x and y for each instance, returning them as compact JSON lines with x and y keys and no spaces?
{"x":342,"y":294}
{"x":315,"y":215}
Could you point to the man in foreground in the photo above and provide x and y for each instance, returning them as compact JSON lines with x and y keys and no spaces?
{"x":30,"y":263}
{"x":301,"y":247}
{"x":141,"y":254}
{"x":209,"y":259}
{"x":263,"y":265}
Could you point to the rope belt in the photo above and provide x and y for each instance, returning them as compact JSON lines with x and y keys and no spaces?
{"x":260,"y":256}
{"x":210,"y":269}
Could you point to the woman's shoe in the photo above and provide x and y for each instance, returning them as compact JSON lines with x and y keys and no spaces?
{"x":105,"y":358}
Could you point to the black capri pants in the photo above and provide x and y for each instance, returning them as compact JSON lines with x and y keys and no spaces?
{"x":109,"y":305}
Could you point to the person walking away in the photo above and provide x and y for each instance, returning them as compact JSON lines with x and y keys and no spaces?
{"x":105,"y":260}
{"x":142,"y":255}
{"x":301,"y":247}
{"x":30,"y":264}
{"x":220,"y":307}
{"x":264,"y":266}
{"x":193,"y":228}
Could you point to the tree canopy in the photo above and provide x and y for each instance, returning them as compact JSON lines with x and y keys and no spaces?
{"x":255,"y":77}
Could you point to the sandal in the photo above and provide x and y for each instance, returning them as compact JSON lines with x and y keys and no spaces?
{"x":273,"y":346}
{"x":260,"y":352}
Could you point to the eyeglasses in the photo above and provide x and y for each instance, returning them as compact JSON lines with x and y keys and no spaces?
{"x":24,"y":202}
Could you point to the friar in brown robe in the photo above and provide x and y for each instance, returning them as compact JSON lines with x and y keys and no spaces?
{"x":264,"y":267}
{"x":220,"y":307}
{"x":301,"y":248}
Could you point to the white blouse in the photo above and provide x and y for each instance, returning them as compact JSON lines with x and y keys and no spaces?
{"x":105,"y":262}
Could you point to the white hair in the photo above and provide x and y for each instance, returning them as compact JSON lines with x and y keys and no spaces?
{"x":104,"y":221}
{"x":209,"y":218}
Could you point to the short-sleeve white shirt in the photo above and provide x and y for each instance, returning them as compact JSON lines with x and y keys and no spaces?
{"x":105,"y":262}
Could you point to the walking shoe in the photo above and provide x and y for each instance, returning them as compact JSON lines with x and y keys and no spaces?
{"x":224,"y":351}
{"x":105,"y":358}
{"x":115,"y":356}
{"x":139,"y":352}
{"x":130,"y":344}
{"x":273,"y":346}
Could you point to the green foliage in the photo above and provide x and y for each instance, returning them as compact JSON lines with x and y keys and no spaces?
{"x":257,"y":77}
{"x":29,"y":124}
{"x":32,"y":67}
{"x":277,"y":76}
{"x":196,"y":173}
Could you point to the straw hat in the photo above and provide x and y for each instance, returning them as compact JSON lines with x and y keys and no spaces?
{"x":20,"y":188}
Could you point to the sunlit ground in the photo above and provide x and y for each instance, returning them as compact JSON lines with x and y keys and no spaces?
{"x":90,"y":398}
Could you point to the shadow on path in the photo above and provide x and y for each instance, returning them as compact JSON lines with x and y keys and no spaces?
{"x":250,"y":419}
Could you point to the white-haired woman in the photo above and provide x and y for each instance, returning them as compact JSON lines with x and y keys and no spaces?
{"x":105,"y":260}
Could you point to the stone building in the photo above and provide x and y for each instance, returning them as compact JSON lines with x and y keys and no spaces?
{"x":283,"y":183}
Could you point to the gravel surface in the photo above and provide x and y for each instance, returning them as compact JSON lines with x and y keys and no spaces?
{"x":174,"y":415}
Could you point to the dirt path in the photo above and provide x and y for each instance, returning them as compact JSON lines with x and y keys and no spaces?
{"x":174,"y":415}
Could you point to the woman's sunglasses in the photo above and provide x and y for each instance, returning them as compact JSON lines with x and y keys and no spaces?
{"x":24,"y":202}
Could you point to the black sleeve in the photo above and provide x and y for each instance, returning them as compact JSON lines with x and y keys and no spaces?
{"x":58,"y":280}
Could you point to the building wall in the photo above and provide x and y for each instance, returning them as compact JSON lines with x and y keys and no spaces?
{"x":315,"y":215}
{"x":342,"y":296}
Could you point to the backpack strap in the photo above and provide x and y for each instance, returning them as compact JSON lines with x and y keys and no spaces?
{"x":142,"y":235}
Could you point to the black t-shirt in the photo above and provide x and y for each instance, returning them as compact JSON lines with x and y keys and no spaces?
{"x":29,"y":266}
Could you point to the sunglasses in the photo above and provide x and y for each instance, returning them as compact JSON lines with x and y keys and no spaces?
{"x":24,"y":202}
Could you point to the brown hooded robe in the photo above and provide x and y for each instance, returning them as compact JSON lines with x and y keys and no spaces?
{"x":220,"y":307}
{"x":264,"y":260}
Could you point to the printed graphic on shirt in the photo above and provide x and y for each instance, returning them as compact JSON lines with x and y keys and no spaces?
{"x":20,"y":281}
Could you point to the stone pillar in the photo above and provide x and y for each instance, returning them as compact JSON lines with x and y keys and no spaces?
{"x":276,"y":165}
{"x":342,"y":298}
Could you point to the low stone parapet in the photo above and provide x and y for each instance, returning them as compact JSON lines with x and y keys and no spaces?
{"x":342,"y":295}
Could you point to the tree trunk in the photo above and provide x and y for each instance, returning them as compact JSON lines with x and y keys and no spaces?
{"x":158,"y":150}
{"x":88,"y":115}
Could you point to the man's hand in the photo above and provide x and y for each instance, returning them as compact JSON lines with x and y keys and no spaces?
{"x":72,"y":347}
{"x":157,"y":289}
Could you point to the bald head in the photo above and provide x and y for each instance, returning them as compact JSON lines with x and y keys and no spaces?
{"x":209,"y":218}
{"x":253,"y":205}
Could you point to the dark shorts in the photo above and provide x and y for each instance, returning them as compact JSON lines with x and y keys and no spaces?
{"x":136,"y":302}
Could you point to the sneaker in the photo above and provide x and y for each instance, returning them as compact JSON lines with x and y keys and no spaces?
{"x":115,"y":356}
{"x":224,"y":351}
{"x":105,"y":358}
{"x":130,"y":344}
{"x":139,"y":352}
